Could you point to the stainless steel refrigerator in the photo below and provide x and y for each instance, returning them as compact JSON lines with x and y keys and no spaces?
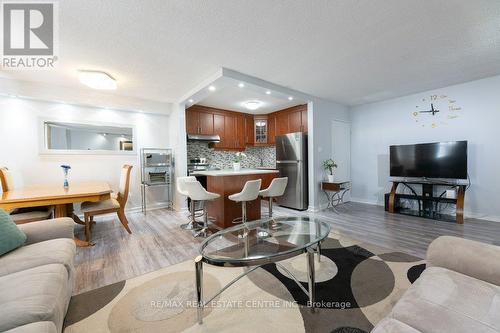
{"x":291,"y":161}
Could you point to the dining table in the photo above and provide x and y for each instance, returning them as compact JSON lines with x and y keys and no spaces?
{"x":62,"y":198}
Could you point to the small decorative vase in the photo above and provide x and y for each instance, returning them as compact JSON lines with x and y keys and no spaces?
{"x":236,"y":166}
{"x":330,"y":178}
{"x":66,"y":169}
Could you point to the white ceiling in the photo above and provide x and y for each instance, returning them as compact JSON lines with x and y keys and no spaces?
{"x":232,"y":97}
{"x":349,"y":51}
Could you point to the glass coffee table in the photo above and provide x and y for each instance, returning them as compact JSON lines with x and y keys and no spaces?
{"x":258,"y":243}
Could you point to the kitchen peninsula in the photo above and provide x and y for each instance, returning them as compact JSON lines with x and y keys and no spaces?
{"x":227,"y":182}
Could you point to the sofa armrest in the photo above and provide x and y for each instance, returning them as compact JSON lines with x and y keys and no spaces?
{"x":475,"y":259}
{"x":49,"y":229}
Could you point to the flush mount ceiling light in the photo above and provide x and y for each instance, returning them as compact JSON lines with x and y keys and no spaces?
{"x":252,"y":105}
{"x":97,"y":80}
{"x":211,"y":88}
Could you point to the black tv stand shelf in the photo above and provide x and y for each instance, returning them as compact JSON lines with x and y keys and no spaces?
{"x":427,"y":202}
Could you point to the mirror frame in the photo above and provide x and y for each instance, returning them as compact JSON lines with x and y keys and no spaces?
{"x":42,"y":139}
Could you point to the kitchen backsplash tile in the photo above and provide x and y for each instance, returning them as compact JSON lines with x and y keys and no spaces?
{"x":224,"y":159}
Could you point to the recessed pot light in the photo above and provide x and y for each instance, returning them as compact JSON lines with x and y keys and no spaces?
{"x":191,"y":100}
{"x":290,"y":98}
{"x":241,"y":85}
{"x":253,"y":105}
{"x":268,"y":92}
{"x":211,"y":88}
{"x":97,"y":80}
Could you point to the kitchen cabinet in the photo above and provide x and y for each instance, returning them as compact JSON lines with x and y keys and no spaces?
{"x":295,"y":121}
{"x":271,"y":129}
{"x":199,"y":122}
{"x":282,"y":123}
{"x":304,"y":119}
{"x":237,"y":130}
{"x":240,"y":132}
{"x":249,"y":130}
{"x":219,"y":130}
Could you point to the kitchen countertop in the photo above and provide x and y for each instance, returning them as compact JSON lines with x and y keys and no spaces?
{"x":231,"y":172}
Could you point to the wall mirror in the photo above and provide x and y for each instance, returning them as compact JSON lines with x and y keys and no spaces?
{"x":76,"y":137}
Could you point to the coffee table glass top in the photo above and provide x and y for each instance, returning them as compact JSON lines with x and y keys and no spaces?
{"x":265,"y":240}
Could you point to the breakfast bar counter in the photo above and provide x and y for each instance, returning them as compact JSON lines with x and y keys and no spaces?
{"x":227,"y":182}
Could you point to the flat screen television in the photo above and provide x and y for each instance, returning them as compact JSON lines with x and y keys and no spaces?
{"x":430,"y":160}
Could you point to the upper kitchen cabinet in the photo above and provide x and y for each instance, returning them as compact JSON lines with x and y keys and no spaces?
{"x":271,"y":129}
{"x":249,"y":130}
{"x":291,"y":120}
{"x":261,"y":130}
{"x":199,"y":120}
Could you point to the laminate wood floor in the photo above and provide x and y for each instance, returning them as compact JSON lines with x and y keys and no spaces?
{"x":157,"y":240}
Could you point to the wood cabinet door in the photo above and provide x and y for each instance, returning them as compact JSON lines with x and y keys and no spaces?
{"x":230,"y":132}
{"x":249,"y":134}
{"x":240,"y":132}
{"x":282,"y":123}
{"x":192,"y":126}
{"x":206,"y":122}
{"x":295,"y":122}
{"x":219,"y":129}
{"x":304,"y":120}
{"x":271,"y":129}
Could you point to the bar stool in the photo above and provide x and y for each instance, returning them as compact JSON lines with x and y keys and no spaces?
{"x":275,"y":189}
{"x":249,"y":192}
{"x":192,"y":224}
{"x":197,"y":193}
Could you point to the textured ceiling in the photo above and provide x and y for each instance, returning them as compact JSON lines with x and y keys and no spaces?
{"x":349,"y":51}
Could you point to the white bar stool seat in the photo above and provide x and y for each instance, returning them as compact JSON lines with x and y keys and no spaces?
{"x":180,"y":181}
{"x":275,"y":189}
{"x":197,"y":193}
{"x":250,"y":192}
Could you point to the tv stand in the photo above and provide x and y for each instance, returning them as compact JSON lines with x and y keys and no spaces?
{"x":428,"y":203}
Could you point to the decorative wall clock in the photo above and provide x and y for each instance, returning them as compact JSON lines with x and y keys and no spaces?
{"x":436,"y":110}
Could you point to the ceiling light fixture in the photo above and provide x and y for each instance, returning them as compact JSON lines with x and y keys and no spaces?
{"x":191,"y":100}
{"x":97,"y":80}
{"x":211,"y":88}
{"x":241,"y":85}
{"x":253,"y":105}
{"x":290,"y":98}
{"x":268,"y":92}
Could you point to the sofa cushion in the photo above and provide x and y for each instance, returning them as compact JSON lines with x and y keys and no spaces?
{"x":38,"y":327}
{"x":54,"y":251}
{"x":446,"y":301}
{"x":11,"y":237}
{"x":33,"y":295}
{"x":390,"y":325}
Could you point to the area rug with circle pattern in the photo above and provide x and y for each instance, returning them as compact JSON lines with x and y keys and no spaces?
{"x":357,"y":285}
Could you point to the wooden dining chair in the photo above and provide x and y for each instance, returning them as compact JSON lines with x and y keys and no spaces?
{"x":115,"y":204}
{"x":23,"y":215}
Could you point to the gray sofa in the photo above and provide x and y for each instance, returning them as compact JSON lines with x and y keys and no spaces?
{"x":459,"y":291}
{"x":36,"y":280}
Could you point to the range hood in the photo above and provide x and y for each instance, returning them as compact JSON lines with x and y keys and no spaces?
{"x":203,"y":137}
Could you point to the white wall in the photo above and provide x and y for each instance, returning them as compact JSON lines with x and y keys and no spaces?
{"x":19,"y":151}
{"x":320,"y":144}
{"x":376,"y":126}
{"x":178,"y":141}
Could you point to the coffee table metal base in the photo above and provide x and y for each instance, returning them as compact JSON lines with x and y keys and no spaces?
{"x":310,"y":292}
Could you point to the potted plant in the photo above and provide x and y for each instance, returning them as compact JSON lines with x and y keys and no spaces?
{"x":237,"y":160}
{"x":329,"y":165}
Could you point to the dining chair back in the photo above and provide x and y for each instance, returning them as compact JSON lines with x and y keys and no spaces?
{"x":28,"y":214}
{"x":124,"y":187}
{"x":6,"y":179}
